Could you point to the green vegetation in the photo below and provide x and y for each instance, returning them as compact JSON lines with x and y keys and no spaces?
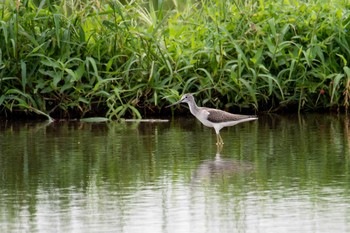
{"x":107,"y":58}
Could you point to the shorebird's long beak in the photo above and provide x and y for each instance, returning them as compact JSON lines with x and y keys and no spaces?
{"x":174,"y":103}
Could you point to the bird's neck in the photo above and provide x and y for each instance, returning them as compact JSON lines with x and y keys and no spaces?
{"x":193,"y":108}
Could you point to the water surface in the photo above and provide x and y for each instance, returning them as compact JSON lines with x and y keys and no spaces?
{"x":277,"y":174}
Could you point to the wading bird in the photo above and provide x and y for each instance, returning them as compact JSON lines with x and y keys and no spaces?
{"x":214,"y":118}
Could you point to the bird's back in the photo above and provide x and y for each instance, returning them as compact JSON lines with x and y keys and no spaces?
{"x":216,"y":116}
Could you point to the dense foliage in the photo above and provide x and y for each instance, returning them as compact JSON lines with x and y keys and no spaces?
{"x":96,"y":57}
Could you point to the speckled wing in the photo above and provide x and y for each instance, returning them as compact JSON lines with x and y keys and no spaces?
{"x":216,"y":115}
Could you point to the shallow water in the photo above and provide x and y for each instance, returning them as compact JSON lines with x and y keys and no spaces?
{"x":277,"y":174}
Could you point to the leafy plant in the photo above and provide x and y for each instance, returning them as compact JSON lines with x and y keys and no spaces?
{"x":125,"y":59}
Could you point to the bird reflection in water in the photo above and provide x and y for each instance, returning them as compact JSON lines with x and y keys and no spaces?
{"x":221,"y":168}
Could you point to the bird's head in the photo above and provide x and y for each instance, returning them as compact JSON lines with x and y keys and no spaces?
{"x":186,"y":98}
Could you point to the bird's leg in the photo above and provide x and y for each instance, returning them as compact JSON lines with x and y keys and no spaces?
{"x":219,"y":140}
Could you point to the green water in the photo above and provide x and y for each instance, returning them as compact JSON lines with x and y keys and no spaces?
{"x":277,"y":174}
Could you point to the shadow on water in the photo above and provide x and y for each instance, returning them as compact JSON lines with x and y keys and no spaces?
{"x":220,"y":169}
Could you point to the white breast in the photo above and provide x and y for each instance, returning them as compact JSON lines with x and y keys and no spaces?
{"x":203,"y":117}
